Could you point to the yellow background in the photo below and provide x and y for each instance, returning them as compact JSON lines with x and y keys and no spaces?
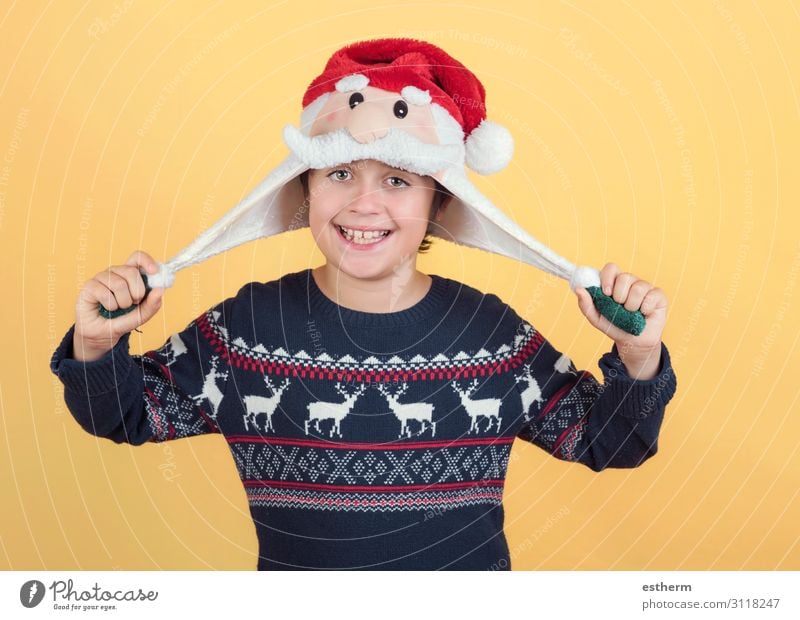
{"x":660,"y":136}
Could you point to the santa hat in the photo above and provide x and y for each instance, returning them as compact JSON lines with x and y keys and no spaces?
{"x":412,"y":106}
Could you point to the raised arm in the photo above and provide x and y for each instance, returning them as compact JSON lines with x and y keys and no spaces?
{"x":568,"y":413}
{"x":164,"y":394}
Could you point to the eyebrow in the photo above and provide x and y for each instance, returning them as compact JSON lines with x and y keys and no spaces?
{"x":385,"y":168}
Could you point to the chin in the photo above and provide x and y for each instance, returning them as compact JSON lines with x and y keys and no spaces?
{"x":365,"y":270}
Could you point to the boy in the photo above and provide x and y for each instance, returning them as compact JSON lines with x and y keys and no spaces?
{"x":361,"y":397}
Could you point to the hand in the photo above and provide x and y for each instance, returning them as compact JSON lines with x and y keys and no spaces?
{"x":119,"y":286}
{"x":634,"y":294}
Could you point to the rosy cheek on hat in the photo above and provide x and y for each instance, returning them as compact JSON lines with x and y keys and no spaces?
{"x":427,"y":134}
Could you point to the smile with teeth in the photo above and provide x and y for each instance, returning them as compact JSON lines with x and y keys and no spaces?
{"x":363,"y":237}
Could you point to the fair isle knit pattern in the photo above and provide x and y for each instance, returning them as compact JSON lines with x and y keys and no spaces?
{"x":349,"y":429}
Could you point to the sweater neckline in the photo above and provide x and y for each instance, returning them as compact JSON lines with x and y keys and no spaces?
{"x":436,"y":297}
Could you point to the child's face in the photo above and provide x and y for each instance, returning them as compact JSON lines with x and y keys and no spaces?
{"x":372,"y":195}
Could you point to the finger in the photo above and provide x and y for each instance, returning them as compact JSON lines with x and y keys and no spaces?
{"x":144,"y":260}
{"x":153,"y":302}
{"x":142,"y":313}
{"x":149,"y":307}
{"x":622,"y":285}
{"x":636,"y":295}
{"x":655,"y":299}
{"x":134,"y":279}
{"x":607,"y":276}
{"x":118,"y":286}
{"x":94,"y":292}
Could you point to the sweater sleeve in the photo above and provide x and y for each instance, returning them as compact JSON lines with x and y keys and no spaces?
{"x":164,"y":394}
{"x":568,"y":413}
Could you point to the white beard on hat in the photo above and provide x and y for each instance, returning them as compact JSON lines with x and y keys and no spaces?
{"x":398,"y":149}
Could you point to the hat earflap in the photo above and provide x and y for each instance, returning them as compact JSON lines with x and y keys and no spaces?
{"x":489,"y":148}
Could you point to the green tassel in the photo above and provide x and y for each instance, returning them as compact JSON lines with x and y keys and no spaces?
{"x":112,"y":314}
{"x":631,"y":322}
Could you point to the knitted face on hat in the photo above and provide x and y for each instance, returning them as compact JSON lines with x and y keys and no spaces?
{"x":422,"y":111}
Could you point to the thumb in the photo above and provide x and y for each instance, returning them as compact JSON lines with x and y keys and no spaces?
{"x":586,"y":305}
{"x":152,"y":303}
{"x":147,"y":308}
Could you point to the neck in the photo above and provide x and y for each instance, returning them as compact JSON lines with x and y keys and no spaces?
{"x":397,"y":291}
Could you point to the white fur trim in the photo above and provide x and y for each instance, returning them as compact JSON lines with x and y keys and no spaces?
{"x":475,"y":222}
{"x":274,"y":206}
{"x":416,"y":96}
{"x":489,"y":148}
{"x":355,"y":81}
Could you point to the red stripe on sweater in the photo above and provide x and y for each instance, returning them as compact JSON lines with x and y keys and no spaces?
{"x":416,"y":501}
{"x":556,"y":398}
{"x":392,"y":489}
{"x":350,"y":373}
{"x":356,"y":445}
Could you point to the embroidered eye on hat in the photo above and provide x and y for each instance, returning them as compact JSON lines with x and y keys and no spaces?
{"x":411,"y":105}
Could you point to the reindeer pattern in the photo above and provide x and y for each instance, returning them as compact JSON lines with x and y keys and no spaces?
{"x":414,"y":417}
{"x":334,"y":411}
{"x":421,"y":412}
{"x":477,"y":409}
{"x":255,"y":405}
{"x":211,"y":391}
{"x":325,"y":417}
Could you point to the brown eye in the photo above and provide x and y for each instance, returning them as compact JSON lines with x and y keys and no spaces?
{"x":401,"y":182}
{"x":340,"y":174}
{"x":355,"y":99}
{"x":400,"y":109}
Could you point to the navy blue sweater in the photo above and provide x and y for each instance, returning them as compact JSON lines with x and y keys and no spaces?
{"x":370,"y":440}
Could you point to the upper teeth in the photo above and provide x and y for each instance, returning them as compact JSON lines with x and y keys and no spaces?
{"x":363,"y":234}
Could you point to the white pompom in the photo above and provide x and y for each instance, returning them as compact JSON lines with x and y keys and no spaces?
{"x":584,"y":277}
{"x":489,"y":148}
{"x":165,"y":277}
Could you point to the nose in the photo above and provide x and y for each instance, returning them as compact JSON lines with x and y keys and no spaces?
{"x":366,"y":199}
{"x":366,"y":124}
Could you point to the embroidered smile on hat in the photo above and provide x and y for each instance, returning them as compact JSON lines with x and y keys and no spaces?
{"x":412,"y":106}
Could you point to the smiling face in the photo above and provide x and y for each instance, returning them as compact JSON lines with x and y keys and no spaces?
{"x":374,"y":198}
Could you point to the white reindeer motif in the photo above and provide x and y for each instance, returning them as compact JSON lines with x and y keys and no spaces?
{"x":262,"y":404}
{"x":564,"y":365}
{"x":421,"y":412}
{"x":175,"y":348}
{"x":483,"y":408}
{"x":335,"y":412}
{"x":531,"y":394}
{"x":210,"y":390}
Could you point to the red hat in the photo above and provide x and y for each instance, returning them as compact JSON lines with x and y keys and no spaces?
{"x":398,"y":63}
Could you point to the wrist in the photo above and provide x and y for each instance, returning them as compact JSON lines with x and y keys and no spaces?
{"x":83,"y":352}
{"x":641,"y":363}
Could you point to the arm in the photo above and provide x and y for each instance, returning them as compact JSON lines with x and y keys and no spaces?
{"x":615,"y":424}
{"x":164,"y":394}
